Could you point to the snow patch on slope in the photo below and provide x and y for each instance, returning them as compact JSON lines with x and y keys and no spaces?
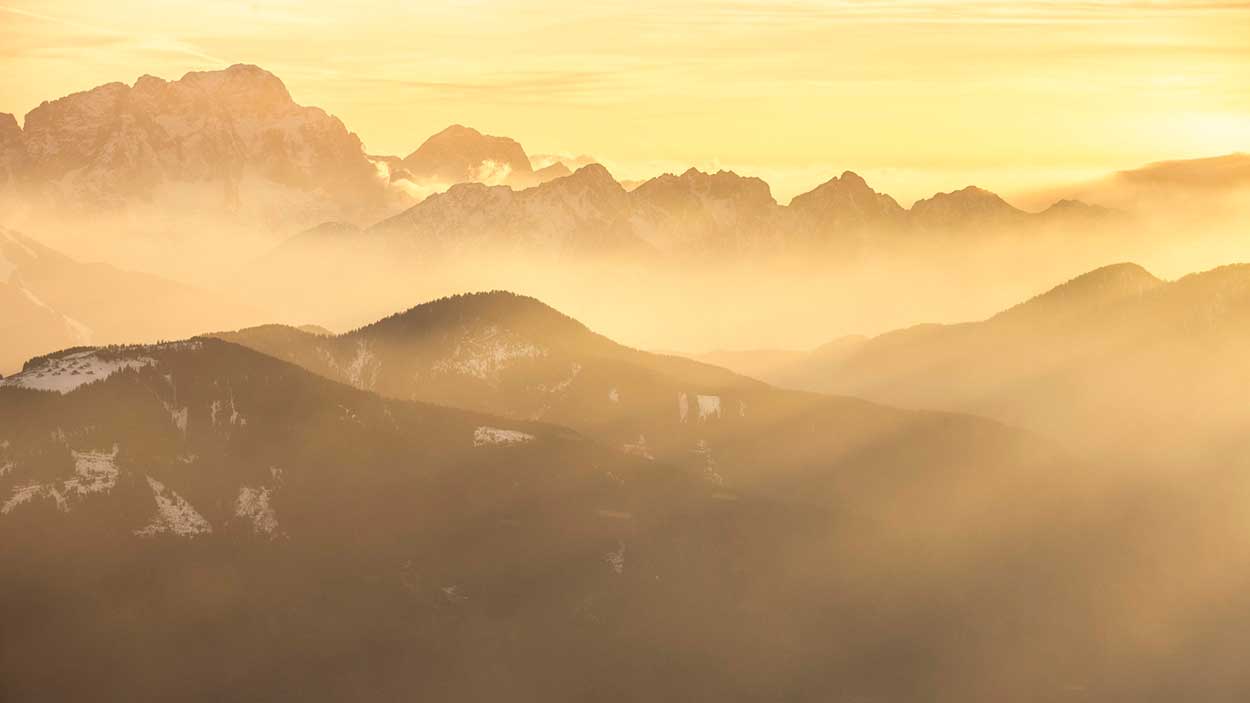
{"x":253,"y":504}
{"x":703,"y":450}
{"x":616,"y":559}
{"x":217,"y":416}
{"x":486,"y":354}
{"x":65,"y":374}
{"x":638,"y":448}
{"x":709,"y":405}
{"x":94,"y":472}
{"x":174,"y":515}
{"x":178,"y":417}
{"x":564,"y":383}
{"x":483,"y":436}
{"x":364,"y":359}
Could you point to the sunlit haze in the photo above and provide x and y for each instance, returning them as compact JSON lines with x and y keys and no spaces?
{"x":917,"y":96}
{"x":547,"y":351}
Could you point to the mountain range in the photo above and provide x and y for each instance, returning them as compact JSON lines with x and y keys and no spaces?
{"x":481,"y":497}
{"x":512,"y":356}
{"x":683,"y":218}
{"x":235,"y":141}
{"x":385,"y":545}
{"x":1115,"y":359}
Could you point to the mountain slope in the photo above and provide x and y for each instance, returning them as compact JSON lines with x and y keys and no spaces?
{"x":514,"y":356}
{"x":1115,"y":359}
{"x":325,"y":544}
{"x":50,"y":301}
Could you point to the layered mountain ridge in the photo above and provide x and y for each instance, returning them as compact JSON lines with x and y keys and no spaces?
{"x":1115,"y":360}
{"x":200,"y":484}
{"x":235,"y":141}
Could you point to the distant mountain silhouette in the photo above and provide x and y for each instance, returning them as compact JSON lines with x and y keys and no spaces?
{"x":1115,"y":359}
{"x":698,"y":214}
{"x":458,"y":154}
{"x":1226,"y":171}
{"x":50,"y":301}
{"x":1184,"y":187}
{"x":552,"y":172}
{"x":846,"y":202}
{"x":969,"y":206}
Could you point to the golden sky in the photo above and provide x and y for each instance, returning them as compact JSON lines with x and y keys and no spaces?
{"x":917,"y":95}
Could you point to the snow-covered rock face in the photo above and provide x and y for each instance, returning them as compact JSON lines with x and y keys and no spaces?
{"x":485,"y":436}
{"x":67,"y":373}
{"x":116,"y":145}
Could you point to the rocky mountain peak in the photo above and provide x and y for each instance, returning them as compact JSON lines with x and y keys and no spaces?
{"x":846,"y":201}
{"x":967,"y":205}
{"x":671,"y":191}
{"x":590,"y":177}
{"x":462,"y":154}
{"x":118,"y":147}
{"x":241,"y":84}
{"x":10,"y":131}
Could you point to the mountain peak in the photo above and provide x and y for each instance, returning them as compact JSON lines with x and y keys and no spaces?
{"x":848,"y":182}
{"x":1089,"y":291}
{"x":459,"y":153}
{"x":850,"y":178}
{"x":964,"y":205}
{"x":552,"y":172}
{"x":590,"y":175}
{"x":10,"y":131}
{"x":669,"y":190}
{"x":207,"y":130}
{"x":519,"y":313}
{"x":456,"y":131}
{"x":1079,"y":208}
{"x":243,"y":83}
{"x":846,"y":201}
